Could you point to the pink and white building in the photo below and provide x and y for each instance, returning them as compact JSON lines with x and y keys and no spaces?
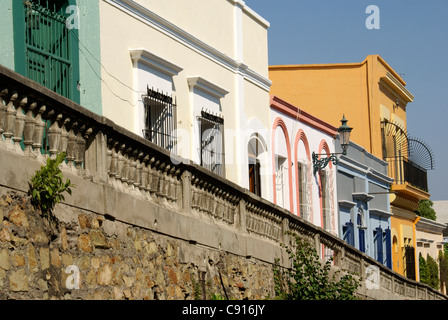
{"x":296,"y":134}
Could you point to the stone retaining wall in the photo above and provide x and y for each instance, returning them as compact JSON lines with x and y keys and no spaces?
{"x":115,"y":260}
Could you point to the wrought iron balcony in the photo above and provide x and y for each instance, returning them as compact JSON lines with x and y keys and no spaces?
{"x":405,"y":171}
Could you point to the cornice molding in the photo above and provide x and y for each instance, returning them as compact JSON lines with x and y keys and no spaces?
{"x":429,"y":225}
{"x":149,"y":59}
{"x":395,"y":86}
{"x":380,"y":213}
{"x":292,"y":111}
{"x":153,"y":20}
{"x":206,"y":86}
{"x":346,"y":204}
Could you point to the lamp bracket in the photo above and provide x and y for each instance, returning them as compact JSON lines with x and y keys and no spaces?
{"x":321,"y":163}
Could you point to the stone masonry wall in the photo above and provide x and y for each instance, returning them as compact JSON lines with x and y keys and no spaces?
{"x":115,"y":260}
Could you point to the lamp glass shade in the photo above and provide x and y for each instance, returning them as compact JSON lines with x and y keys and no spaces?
{"x":344,"y":134}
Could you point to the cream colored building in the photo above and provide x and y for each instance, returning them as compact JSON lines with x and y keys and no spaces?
{"x":191,"y":76}
{"x":429,"y":238}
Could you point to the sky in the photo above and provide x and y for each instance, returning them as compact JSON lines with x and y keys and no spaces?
{"x":412,"y":38}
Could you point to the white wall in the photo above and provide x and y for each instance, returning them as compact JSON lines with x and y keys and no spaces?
{"x":202,"y":38}
{"x":315,"y":138}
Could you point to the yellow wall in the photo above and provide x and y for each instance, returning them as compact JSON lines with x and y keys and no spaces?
{"x":329,"y":90}
{"x":403,"y":230}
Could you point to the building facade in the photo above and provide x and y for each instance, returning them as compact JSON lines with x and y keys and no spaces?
{"x":376,"y":98}
{"x":364,"y":207}
{"x":296,"y":135}
{"x":191,"y":83}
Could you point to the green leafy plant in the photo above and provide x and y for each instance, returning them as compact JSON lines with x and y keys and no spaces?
{"x":443,"y":262}
{"x":46,"y":187}
{"x":429,"y":271}
{"x":309,"y":278}
{"x":426,"y":210}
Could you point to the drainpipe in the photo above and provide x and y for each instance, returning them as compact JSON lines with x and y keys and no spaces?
{"x":417,"y":275}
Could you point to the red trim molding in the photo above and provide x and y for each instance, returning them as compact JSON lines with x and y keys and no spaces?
{"x":292,"y":111}
{"x":300,"y":136}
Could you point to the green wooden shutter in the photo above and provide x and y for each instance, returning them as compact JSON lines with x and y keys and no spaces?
{"x":46,"y":50}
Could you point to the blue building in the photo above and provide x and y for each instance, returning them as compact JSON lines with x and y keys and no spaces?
{"x":364,"y":208}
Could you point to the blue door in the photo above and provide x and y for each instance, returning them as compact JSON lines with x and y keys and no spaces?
{"x":349,"y":234}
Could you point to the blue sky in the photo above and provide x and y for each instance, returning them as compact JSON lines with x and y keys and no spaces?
{"x":413,"y":39}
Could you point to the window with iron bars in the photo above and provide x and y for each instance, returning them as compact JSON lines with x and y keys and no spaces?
{"x":212,"y":142}
{"x":160,"y":119}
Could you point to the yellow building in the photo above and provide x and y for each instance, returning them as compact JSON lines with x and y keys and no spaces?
{"x":374,"y":98}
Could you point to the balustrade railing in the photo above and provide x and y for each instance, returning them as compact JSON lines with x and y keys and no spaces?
{"x":38,"y":123}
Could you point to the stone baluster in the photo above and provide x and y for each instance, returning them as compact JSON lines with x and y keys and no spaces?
{"x":162,"y":180}
{"x":113,"y":166}
{"x":138,"y":171}
{"x":109,"y":151}
{"x":120,"y":163}
{"x":156,"y":182}
{"x":54,"y":134}
{"x":19,"y":123}
{"x":71,"y":146}
{"x":63,"y":144}
{"x":220,"y":204}
{"x":125,"y":170}
{"x":164,"y":183}
{"x":39,"y":129}
{"x":131,"y":169}
{"x":10,"y":120}
{"x":3,"y":94}
{"x":178,"y":188}
{"x":154,"y":176}
{"x":172,"y":193}
{"x":144,"y":182}
{"x":28,"y":133}
{"x":149,"y":178}
{"x":80,"y":152}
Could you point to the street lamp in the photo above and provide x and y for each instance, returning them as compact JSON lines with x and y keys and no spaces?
{"x":344,"y":135}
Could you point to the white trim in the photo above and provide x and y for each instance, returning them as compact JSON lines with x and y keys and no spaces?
{"x":356,"y":166}
{"x":381,"y":213}
{"x":251,"y":13}
{"x":346,"y":204}
{"x":145,"y":57}
{"x":425,"y":224}
{"x":395,"y":86}
{"x":148,"y":17}
{"x":207,"y":87}
{"x":362,"y":196}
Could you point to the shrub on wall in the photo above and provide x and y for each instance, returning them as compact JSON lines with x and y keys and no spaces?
{"x":309,"y":278}
{"x":429,"y":271}
{"x":47,"y":187}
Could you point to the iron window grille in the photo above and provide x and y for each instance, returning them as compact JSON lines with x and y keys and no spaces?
{"x":160,"y":119}
{"x":211,"y":128}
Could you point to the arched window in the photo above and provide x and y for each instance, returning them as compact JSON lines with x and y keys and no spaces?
{"x":281,"y":151}
{"x":256,"y":147}
{"x":46,"y":47}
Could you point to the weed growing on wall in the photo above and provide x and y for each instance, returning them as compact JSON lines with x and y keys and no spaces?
{"x":47,"y":187}
{"x":309,"y":278}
